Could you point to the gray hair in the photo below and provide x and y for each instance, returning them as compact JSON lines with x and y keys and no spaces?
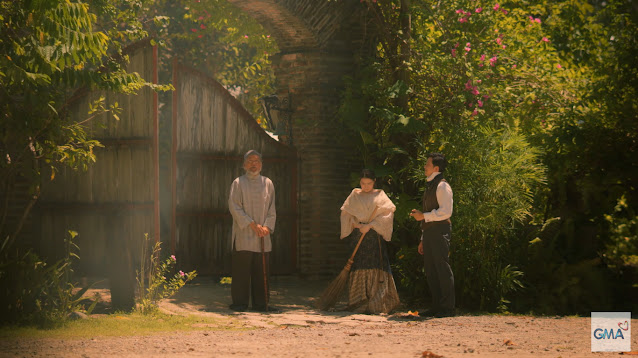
{"x":252,"y":152}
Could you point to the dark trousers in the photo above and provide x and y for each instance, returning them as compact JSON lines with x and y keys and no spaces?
{"x":436,"y":248}
{"x":248,"y":279}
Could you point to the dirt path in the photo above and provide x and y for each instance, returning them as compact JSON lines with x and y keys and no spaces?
{"x":301,"y":331}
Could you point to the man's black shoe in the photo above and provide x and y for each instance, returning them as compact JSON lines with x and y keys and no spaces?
{"x":445,"y":313}
{"x":431,"y":312}
{"x":238,"y":308}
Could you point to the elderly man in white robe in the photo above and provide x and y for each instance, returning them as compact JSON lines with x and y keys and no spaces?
{"x":252,"y":205}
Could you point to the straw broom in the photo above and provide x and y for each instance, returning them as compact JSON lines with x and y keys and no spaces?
{"x":331,"y":294}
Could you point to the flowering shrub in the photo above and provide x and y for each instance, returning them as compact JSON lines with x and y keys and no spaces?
{"x":153,"y":278}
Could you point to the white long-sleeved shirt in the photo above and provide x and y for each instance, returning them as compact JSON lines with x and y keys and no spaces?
{"x":252,"y":199}
{"x":444,"y":197}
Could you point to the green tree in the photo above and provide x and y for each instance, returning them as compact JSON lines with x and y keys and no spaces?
{"x":48,"y":49}
{"x":516,"y":94}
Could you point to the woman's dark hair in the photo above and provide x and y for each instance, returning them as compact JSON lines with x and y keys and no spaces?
{"x":438,"y":160}
{"x":368,"y":173}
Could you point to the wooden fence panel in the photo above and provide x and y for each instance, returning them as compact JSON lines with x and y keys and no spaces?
{"x":211,"y":133}
{"x":115,"y":202}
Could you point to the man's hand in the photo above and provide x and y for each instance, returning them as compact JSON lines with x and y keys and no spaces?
{"x":264,"y":231}
{"x":417,"y":215}
{"x":256,"y":229}
{"x":420,"y":249}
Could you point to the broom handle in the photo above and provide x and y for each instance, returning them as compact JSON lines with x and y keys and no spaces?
{"x":361,"y":239}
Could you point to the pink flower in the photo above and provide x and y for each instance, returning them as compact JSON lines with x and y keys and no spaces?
{"x":475,"y":91}
{"x":504,"y":47}
{"x":470,"y":104}
{"x":201,"y":18}
{"x":462,"y":19}
{"x":453,"y":52}
{"x":460,"y":11}
{"x":486,"y":96}
{"x":467,"y":49}
{"x":267,"y":36}
{"x":468,"y":85}
{"x":173,"y":258}
{"x":497,"y":6}
{"x":181,"y":273}
{"x":456,"y":45}
{"x":493,"y":61}
{"x":499,"y":41}
{"x":194,"y":30}
{"x":531,"y":18}
{"x":478,"y":9}
{"x":480,"y":103}
{"x":545,"y":39}
{"x":245,"y":36}
{"x":483,"y":57}
{"x":202,"y":26}
{"x":513,"y":66}
{"x":559,"y":66}
{"x":200,"y":36}
{"x":504,"y":12}
{"x":537,"y":20}
{"x":475,"y":112}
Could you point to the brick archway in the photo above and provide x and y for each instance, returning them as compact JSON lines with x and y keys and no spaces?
{"x":317,"y":42}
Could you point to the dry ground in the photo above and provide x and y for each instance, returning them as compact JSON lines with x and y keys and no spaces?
{"x":301,"y":331}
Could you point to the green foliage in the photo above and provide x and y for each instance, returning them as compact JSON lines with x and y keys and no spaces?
{"x":49,"y":49}
{"x":622,"y":249}
{"x":219,"y":39}
{"x":152,"y":279}
{"x":34,"y":292}
{"x":534,"y":105}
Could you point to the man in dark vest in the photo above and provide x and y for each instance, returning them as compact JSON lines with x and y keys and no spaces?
{"x":435,"y":239}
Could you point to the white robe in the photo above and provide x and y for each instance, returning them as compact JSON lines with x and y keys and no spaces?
{"x":252,"y":199}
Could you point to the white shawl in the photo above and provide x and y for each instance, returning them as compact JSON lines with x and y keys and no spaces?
{"x":359,"y":206}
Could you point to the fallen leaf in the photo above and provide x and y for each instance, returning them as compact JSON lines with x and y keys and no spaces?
{"x":632,"y":353}
{"x":508,"y":342}
{"x":429,"y":354}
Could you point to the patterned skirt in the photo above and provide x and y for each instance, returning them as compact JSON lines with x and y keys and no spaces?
{"x":371,"y":287}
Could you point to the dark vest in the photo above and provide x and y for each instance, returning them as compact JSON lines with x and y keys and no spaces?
{"x":430,"y":203}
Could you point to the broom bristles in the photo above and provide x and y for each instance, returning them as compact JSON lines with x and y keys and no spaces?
{"x":331,"y":294}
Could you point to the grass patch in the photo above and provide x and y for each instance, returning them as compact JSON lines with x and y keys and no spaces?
{"x":125,"y":324}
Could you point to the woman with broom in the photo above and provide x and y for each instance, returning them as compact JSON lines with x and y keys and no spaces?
{"x":368,"y":212}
